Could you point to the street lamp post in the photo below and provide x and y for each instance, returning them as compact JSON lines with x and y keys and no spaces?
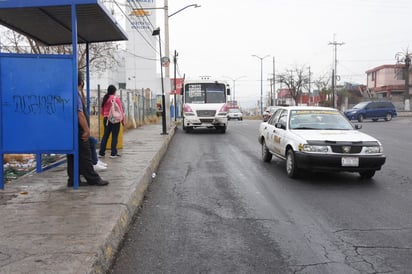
{"x":166,"y":19}
{"x":156,"y":32}
{"x":188,"y":6}
{"x":261,"y":81}
{"x":234,"y":84}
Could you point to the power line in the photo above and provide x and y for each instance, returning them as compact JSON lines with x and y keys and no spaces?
{"x":139,"y":56}
{"x":131,"y":22}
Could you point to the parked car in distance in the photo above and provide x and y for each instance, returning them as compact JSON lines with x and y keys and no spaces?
{"x":234,"y":113}
{"x":319,"y":139}
{"x":372,"y":110}
{"x":268,"y":112}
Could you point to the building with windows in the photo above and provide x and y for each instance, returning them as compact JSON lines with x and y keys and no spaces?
{"x":136,"y":69}
{"x":388,"y":82}
{"x":284,"y":98}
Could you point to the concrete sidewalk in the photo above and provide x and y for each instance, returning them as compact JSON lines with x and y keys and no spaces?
{"x":46,"y":227}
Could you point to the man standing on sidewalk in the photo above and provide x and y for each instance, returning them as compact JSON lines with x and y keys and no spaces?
{"x":85,"y":159}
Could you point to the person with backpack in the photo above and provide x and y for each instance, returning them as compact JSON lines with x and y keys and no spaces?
{"x":113,"y":115}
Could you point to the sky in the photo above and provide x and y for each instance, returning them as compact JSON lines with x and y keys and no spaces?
{"x":219,"y":38}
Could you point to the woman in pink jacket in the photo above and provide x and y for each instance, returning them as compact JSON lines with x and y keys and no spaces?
{"x":109,"y":126}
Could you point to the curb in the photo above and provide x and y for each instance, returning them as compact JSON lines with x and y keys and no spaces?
{"x":107,"y":250}
{"x":404,"y":114}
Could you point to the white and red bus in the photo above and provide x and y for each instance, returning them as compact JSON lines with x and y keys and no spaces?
{"x":205,"y":104}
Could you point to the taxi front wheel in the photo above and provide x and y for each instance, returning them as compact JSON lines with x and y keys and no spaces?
{"x":291,"y":169}
{"x":266,"y":155}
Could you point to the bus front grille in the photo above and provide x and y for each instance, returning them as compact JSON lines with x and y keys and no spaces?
{"x":206,"y":113}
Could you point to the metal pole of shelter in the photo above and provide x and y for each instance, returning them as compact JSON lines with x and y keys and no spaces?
{"x":1,"y":137}
{"x":87,"y":78}
{"x":75,"y":84}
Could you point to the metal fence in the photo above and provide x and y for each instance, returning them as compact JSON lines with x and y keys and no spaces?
{"x":137,"y":105}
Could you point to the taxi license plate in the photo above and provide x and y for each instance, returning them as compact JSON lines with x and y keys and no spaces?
{"x":350,"y":161}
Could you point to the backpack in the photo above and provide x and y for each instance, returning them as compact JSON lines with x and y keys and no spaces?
{"x":115,"y":115}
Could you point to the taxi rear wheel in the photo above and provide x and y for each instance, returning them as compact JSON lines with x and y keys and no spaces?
{"x":266,"y":155}
{"x":291,"y":168}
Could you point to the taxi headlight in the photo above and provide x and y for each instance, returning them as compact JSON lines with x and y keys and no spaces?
{"x":374,"y":149}
{"x":313,"y":148}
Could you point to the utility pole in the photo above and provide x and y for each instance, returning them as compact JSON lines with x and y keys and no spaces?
{"x":166,"y":105}
{"x":167,"y":54}
{"x":333,"y":88}
{"x":407,"y":95}
{"x":309,"y":85}
{"x":274,"y":83}
{"x":335,"y":74}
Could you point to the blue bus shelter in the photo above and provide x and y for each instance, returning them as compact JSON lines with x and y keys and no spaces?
{"x":38,"y":93}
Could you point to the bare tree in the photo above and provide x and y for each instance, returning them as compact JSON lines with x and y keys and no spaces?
{"x":323,"y":86}
{"x":102,"y":55}
{"x":295,"y":80}
{"x":404,"y":57}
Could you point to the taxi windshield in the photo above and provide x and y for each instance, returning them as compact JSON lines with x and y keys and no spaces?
{"x":318,"y":120}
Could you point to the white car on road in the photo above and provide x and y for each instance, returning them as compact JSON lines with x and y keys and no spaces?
{"x":234,"y":113}
{"x":319,"y":139}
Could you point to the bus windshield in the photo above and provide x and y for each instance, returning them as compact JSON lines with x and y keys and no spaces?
{"x":205,"y":93}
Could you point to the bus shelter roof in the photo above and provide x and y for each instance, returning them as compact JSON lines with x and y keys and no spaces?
{"x":50,"y":21}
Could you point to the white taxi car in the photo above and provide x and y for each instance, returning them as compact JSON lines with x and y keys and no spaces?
{"x":319,"y":139}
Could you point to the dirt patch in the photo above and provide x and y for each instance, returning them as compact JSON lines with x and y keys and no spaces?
{"x":6,"y":197}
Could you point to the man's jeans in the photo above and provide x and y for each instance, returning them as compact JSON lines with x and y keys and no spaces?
{"x":93,"y":143}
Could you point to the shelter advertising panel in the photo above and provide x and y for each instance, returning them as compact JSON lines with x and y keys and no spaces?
{"x":37,"y":103}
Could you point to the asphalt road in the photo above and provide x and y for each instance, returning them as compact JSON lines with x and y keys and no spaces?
{"x":215,"y":207}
